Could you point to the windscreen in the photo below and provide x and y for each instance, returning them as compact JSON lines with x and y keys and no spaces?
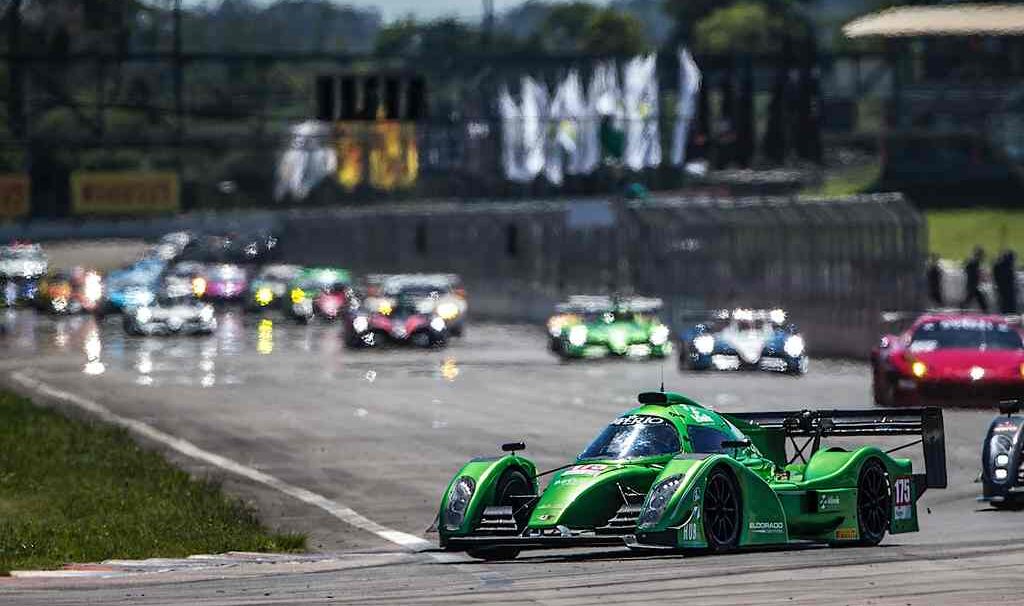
{"x":965,"y":334}
{"x":227,"y":272}
{"x":632,"y":437}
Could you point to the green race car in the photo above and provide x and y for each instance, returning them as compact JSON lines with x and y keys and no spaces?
{"x":592,"y":327}
{"x":672,"y":474}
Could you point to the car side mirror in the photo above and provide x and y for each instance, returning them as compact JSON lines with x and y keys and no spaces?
{"x":513,"y":446}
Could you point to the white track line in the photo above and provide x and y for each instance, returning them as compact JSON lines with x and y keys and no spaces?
{"x":338,"y":510}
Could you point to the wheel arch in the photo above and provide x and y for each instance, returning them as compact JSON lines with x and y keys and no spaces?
{"x":485,"y":473}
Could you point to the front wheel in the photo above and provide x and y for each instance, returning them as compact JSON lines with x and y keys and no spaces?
{"x":511,"y":484}
{"x":874,"y":503}
{"x":722,"y":511}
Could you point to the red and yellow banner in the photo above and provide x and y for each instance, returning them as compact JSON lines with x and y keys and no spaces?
{"x":14,"y":195}
{"x":124,"y":193}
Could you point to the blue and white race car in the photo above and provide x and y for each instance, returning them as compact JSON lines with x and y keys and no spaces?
{"x":744,"y":339}
{"x":134,"y":286}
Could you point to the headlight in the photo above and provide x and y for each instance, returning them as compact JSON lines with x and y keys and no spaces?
{"x":206,"y":314}
{"x":999,"y":447}
{"x":704,"y":344}
{"x":199,"y":286}
{"x":659,"y":335}
{"x":448,"y":310}
{"x":264,"y":295}
{"x":794,"y":346}
{"x":919,"y":369}
{"x":578,"y":335}
{"x":458,"y":501}
{"x":360,"y":323}
{"x":93,"y":288}
{"x":437,"y":324}
{"x":657,"y":500}
{"x":555,"y":328}
{"x":1022,"y":370}
{"x":298,"y":295}
{"x":143,"y":315}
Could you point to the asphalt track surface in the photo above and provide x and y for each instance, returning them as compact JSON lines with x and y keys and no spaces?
{"x":381,"y":432}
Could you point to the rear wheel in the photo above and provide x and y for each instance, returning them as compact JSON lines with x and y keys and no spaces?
{"x":722,"y":511}
{"x":874,"y":503}
{"x":513,"y":482}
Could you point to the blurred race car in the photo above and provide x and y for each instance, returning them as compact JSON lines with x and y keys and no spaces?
{"x":445,"y":290}
{"x":222,"y":283}
{"x":570,"y":312}
{"x":324,"y":292}
{"x":671,"y":474}
{"x":742,"y":339}
{"x":171,"y":315}
{"x":617,"y":327}
{"x":269,"y":289}
{"x":956,"y":358}
{"x":70,"y":292}
{"x":21,"y":267}
{"x":183,"y":278}
{"x":1002,"y":459}
{"x":402,"y":319}
{"x":134,"y":285}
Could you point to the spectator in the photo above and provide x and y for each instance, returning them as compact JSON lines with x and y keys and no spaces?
{"x":972,"y":271}
{"x":935,"y":281}
{"x":1004,"y":274}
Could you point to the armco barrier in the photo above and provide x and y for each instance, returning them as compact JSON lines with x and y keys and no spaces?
{"x":834,"y":264}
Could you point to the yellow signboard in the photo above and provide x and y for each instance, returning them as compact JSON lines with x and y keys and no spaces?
{"x":124,"y":193}
{"x":14,"y":195}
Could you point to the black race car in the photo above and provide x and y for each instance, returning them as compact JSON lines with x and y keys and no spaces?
{"x":1002,"y":459}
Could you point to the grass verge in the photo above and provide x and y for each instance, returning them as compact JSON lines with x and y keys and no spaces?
{"x":74,"y":491}
{"x":845,"y":181}
{"x":952,"y":234}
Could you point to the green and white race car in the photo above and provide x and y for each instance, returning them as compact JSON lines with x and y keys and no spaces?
{"x":597,"y":326}
{"x":672,"y":474}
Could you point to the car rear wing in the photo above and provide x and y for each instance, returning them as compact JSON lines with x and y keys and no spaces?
{"x":771,"y":431}
{"x":896,"y":317}
{"x":603,"y":303}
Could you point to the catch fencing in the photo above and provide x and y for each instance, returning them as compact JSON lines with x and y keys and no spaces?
{"x":834,"y":264}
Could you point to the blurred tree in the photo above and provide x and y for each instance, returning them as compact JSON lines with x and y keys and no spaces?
{"x":747,"y":26}
{"x":443,"y":37}
{"x":581,"y":27}
{"x":610,"y":32}
{"x":743,"y":25}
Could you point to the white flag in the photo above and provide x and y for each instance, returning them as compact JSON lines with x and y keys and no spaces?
{"x":564,"y":144}
{"x":512,"y":149}
{"x":604,"y":104}
{"x":309,"y":159}
{"x":643,"y":147}
{"x":686,"y":106}
{"x":535,"y":125}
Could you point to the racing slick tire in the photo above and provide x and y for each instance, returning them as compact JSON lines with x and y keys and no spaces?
{"x":686,"y":359}
{"x":883,"y":389}
{"x":512,"y":482}
{"x":874,"y":503}
{"x":722,"y":511}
